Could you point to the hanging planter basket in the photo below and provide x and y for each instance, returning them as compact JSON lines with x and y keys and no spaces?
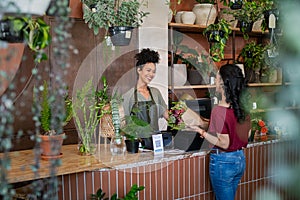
{"x":11,"y":30}
{"x":32,"y":7}
{"x":120,"y":35}
{"x":213,"y":35}
{"x":246,"y":27}
{"x":236,"y":4}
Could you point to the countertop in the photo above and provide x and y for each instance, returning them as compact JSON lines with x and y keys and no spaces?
{"x":71,"y":162}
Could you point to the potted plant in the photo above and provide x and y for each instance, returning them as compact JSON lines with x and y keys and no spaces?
{"x":37,"y":36}
{"x":34,"y":31}
{"x":252,"y":55}
{"x":135,"y":131}
{"x":50,"y":139}
{"x":118,"y":17}
{"x":233,"y":4}
{"x":218,"y":34}
{"x":86,"y":116}
{"x":11,"y":29}
{"x":250,"y":12}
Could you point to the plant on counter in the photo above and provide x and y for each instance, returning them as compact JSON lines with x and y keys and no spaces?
{"x":108,"y":14}
{"x":218,"y":34}
{"x":131,"y":195}
{"x":46,"y":105}
{"x":175,"y":121}
{"x":86,"y":115}
{"x":135,"y":128}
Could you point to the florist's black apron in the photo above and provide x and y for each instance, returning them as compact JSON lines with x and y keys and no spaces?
{"x":145,"y":110}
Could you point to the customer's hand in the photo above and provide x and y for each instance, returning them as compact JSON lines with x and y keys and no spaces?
{"x":197,"y":129}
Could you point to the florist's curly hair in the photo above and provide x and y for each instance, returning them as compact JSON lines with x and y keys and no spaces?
{"x":146,"y":56}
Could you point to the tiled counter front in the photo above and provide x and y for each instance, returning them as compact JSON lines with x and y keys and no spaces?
{"x":175,"y":177}
{"x":167,"y":177}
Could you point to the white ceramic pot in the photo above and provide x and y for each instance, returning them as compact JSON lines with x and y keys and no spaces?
{"x":179,"y":76}
{"x":205,"y":14}
{"x":33,"y":7}
{"x":178,"y":17}
{"x":188,"y":17}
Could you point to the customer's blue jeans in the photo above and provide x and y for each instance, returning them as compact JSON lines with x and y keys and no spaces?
{"x":226,"y":171}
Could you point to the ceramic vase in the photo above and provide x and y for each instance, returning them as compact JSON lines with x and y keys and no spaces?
{"x":206,"y":14}
{"x":188,"y":17}
{"x":178,"y":17}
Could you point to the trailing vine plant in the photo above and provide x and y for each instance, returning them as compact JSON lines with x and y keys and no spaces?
{"x":60,"y":48}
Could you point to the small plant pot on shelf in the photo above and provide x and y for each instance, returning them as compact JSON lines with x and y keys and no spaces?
{"x":132,"y":146}
{"x":51,"y":146}
{"x":120,"y":35}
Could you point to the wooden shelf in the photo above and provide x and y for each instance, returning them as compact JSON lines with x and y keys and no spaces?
{"x":198,"y":28}
{"x":213,"y":86}
{"x":263,"y":84}
{"x":184,"y":87}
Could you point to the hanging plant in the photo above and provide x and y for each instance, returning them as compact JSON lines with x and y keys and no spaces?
{"x":218,"y":35}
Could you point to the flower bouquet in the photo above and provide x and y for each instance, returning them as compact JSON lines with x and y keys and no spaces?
{"x":175,"y":121}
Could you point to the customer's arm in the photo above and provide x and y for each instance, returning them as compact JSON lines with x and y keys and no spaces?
{"x":221,"y":140}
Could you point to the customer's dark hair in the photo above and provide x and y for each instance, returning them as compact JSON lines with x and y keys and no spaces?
{"x":234,"y":86}
{"x":146,"y":56}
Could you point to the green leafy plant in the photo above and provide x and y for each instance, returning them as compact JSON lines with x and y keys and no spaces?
{"x":218,"y":33}
{"x":86,"y":114}
{"x":252,"y":55}
{"x":35,"y":32}
{"x":135,"y":128}
{"x":37,"y":36}
{"x":131,"y":195}
{"x":108,"y":13}
{"x":250,"y":12}
{"x":45,"y":112}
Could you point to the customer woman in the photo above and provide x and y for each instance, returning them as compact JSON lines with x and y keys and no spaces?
{"x":144,"y":101}
{"x":228,"y":133}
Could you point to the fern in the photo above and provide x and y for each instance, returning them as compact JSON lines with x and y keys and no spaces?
{"x":45,"y":109}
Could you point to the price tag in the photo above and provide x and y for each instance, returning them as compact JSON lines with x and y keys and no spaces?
{"x":128,"y":34}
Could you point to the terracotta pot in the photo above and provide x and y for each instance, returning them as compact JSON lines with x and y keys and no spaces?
{"x":50,"y":146}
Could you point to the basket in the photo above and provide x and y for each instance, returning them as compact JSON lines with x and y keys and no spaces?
{"x":106,"y":126}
